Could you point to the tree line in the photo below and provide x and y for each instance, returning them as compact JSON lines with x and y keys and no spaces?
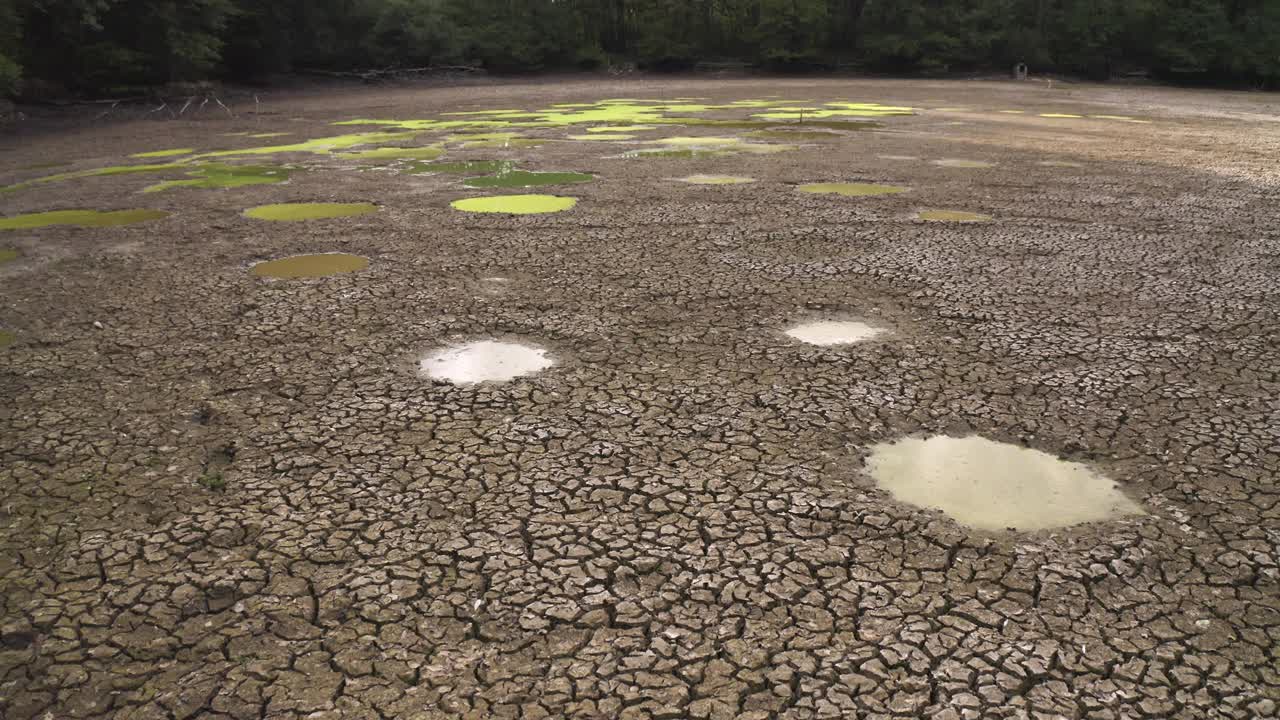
{"x":104,"y":46}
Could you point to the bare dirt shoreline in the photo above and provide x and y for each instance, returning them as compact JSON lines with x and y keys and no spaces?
{"x":230,"y":497}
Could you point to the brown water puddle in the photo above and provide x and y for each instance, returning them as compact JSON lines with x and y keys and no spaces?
{"x":310,"y":266}
{"x":995,"y":486}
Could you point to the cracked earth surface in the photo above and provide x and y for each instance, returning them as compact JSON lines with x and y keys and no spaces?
{"x":229,"y":497}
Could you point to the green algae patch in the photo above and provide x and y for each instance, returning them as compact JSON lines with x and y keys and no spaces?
{"x":469,"y":167}
{"x":217,"y":175}
{"x":429,"y":152}
{"x":320,"y":146}
{"x":852,"y":189}
{"x":80,"y":218}
{"x":263,"y":136}
{"x":717,"y":180}
{"x":515,"y":204}
{"x":522,"y":178}
{"x":163,"y":153}
{"x":7,"y":338}
{"x":112,"y":171}
{"x":952,"y":216}
{"x":8,"y":255}
{"x":310,"y":266}
{"x":293,"y":212}
{"x":964,"y":164}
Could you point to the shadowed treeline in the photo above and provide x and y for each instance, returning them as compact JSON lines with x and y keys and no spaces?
{"x":101,"y":46}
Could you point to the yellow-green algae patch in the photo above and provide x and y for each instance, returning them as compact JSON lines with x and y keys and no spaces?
{"x":429,"y":152}
{"x":515,"y":204}
{"x":852,"y":189}
{"x":957,"y":163}
{"x":163,"y":153}
{"x":8,"y":255}
{"x":1059,"y":115}
{"x":262,"y":136}
{"x":952,"y":216}
{"x":80,"y":218}
{"x":6,"y":338}
{"x":218,"y":175}
{"x":310,"y":266}
{"x":291,"y":212}
{"x":835,"y":109}
{"x":717,"y":180}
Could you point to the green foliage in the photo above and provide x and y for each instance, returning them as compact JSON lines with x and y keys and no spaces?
{"x":98,"y":46}
{"x":212,"y":481}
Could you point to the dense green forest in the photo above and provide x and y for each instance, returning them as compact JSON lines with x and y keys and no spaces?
{"x":103,"y":46}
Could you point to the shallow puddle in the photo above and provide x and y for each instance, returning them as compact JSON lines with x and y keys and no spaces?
{"x":794,"y":135}
{"x":952,"y":216}
{"x":218,"y":175}
{"x":485,"y":361}
{"x":601,"y":138}
{"x":496,"y":140}
{"x":8,"y":255}
{"x":834,"y":332}
{"x":163,"y":153}
{"x":899,"y":157}
{"x":717,"y":180}
{"x":289,"y":212}
{"x":522,"y":178}
{"x":684,"y":141}
{"x":958,"y":163}
{"x":310,"y":266}
{"x":621,"y":128}
{"x":429,"y":152}
{"x":995,"y":486}
{"x":80,"y":218}
{"x":684,"y":153}
{"x":852,"y":189}
{"x":515,"y":204}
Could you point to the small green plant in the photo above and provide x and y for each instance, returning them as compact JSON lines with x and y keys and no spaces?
{"x":213,"y":481}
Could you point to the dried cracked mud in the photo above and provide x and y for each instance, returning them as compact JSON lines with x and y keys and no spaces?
{"x":225,"y":497}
